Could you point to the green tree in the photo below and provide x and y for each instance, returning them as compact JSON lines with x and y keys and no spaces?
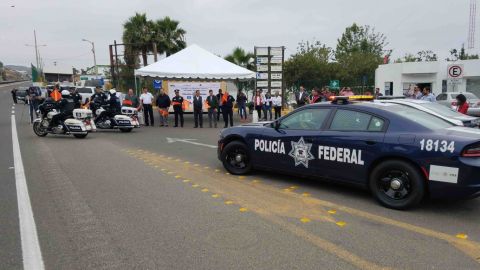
{"x":168,"y":36}
{"x":241,"y":58}
{"x":461,"y":55}
{"x":421,"y":56}
{"x":244,"y":59}
{"x":358,"y":53}
{"x":139,"y":32}
{"x":310,"y":66}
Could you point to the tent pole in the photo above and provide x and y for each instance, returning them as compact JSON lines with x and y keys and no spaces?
{"x":136,"y":90}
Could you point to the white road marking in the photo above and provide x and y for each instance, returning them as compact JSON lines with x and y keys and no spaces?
{"x":32,"y":256}
{"x":11,"y":168}
{"x":172,"y":140}
{"x":13,"y":112}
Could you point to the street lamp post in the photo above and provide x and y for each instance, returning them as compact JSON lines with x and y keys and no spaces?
{"x":94,"y":57}
{"x":37,"y":58}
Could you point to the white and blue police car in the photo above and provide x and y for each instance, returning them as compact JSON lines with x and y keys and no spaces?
{"x":399,"y":153}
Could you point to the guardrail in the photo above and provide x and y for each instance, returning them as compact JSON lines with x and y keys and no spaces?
{"x":7,"y":82}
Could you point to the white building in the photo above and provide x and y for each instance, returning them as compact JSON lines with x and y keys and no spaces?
{"x":399,"y":78}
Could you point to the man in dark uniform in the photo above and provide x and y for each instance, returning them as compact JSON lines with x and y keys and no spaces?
{"x":220,"y":105}
{"x":77,"y":98}
{"x":65,"y":106}
{"x":228,"y":101}
{"x":177,"y":102}
{"x":97,"y":100}
{"x":14,"y":95}
{"x":198,"y":109}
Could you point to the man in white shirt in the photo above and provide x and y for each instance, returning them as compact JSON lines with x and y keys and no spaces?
{"x":277,"y":105}
{"x":146,"y":99}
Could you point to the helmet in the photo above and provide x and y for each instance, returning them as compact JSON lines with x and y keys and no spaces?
{"x":65,"y":93}
{"x":112,"y":91}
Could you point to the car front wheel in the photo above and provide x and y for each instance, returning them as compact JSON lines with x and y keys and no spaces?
{"x":397,"y":184}
{"x":236,"y":159}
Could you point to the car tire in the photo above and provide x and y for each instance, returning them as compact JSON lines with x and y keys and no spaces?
{"x":397,"y":184}
{"x":236,"y":158}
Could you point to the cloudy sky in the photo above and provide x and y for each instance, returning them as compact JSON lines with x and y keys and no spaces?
{"x":220,"y":25}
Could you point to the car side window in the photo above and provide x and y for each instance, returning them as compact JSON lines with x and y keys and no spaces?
{"x":346,"y":120}
{"x":376,"y":124}
{"x":442,"y":97}
{"x":308,"y":119}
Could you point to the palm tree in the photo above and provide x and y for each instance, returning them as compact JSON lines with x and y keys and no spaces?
{"x":138,"y":31}
{"x":241,"y":58}
{"x":168,"y":36}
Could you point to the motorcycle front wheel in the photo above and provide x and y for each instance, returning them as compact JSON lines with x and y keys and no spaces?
{"x":39,"y":130}
{"x":80,"y":136}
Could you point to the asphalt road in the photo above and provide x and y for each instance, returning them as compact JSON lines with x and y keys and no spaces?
{"x":146,"y":201}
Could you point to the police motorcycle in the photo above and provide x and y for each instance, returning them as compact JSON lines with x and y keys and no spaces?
{"x":133,"y":114}
{"x":49,"y":110}
{"x":107,"y":116}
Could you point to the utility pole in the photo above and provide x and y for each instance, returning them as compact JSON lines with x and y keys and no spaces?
{"x":94,"y":57}
{"x":37,"y":60}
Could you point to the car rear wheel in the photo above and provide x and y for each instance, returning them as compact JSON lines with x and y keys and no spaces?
{"x":397,"y":184}
{"x":236,"y":159}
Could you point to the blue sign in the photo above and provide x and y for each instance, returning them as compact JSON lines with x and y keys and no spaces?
{"x":102,"y":82}
{"x":157,"y":84}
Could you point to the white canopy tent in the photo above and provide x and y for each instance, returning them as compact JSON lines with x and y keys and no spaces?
{"x":195,"y":63}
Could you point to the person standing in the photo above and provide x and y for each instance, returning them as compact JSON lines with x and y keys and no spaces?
{"x":258,"y":103}
{"x":131,"y":100}
{"x":220,"y":105}
{"x":14,"y":95}
{"x":198,"y":109}
{"x":267,"y":105}
{"x":77,"y":98}
{"x":242,"y":105}
{"x":177,"y":102}
{"x":212,"y":106}
{"x":427,"y":95}
{"x":462,"y":104}
{"x":277,"y":105}
{"x":228,"y":101}
{"x":163,"y":103}
{"x":147,"y":99}
{"x":301,"y":97}
{"x":417,"y":94}
{"x":315,"y":96}
{"x":377,"y":93}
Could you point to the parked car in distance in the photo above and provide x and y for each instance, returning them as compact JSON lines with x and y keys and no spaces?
{"x":86,"y":92}
{"x":438,"y":110}
{"x":449,"y":99}
{"x":22,"y":93}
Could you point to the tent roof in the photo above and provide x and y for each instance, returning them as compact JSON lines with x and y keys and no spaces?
{"x":195,"y":62}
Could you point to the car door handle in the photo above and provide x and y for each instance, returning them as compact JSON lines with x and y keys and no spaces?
{"x":370,"y":142}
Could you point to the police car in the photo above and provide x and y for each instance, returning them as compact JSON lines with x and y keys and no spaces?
{"x":399,"y":153}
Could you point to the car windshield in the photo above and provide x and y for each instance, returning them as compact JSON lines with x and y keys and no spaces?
{"x":84,"y":91}
{"x":467,"y":95}
{"x":442,"y":110}
{"x":420,"y":117}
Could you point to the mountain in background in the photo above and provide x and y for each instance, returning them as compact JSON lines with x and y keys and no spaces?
{"x":19,"y":68}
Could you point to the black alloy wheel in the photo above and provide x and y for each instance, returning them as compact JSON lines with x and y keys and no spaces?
{"x":397,"y":184}
{"x":236,"y":159}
